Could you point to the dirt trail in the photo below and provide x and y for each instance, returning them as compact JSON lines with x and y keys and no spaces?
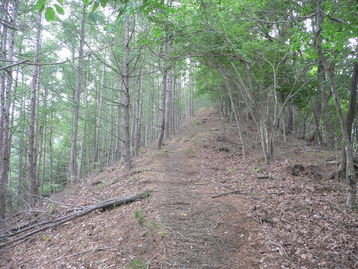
{"x":206,"y":232}
{"x":191,"y":220}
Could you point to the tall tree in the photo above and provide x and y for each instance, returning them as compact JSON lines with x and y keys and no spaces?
{"x":32,"y":145}
{"x":9,"y":12}
{"x":126,"y":96}
{"x":76,"y":100}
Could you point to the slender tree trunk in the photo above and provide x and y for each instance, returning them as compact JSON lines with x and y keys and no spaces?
{"x":119,"y":129}
{"x":83,"y":140}
{"x":32,"y":149}
{"x":22,"y":155}
{"x":76,"y":102}
{"x":126,"y":99}
{"x":350,"y":172}
{"x":138,"y":134}
{"x":98,"y":122}
{"x":112,"y":147}
{"x":316,"y":108}
{"x":167,"y":106}
{"x":44,"y":149}
{"x":352,"y":110}
{"x":163,"y":112}
{"x":290,"y":120}
{"x":234,"y":110}
{"x":5,"y":99}
{"x":329,"y":137}
{"x":50,"y":145}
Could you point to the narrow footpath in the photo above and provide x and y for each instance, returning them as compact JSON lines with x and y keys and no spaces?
{"x":206,"y":232}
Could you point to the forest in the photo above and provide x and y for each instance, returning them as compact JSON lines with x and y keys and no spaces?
{"x":86,"y":84}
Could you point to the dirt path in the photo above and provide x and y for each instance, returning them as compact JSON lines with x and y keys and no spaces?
{"x":206,"y":232}
{"x":191,"y":220}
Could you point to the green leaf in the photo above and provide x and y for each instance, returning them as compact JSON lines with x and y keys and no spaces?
{"x":59,"y":9}
{"x":93,"y":17}
{"x":60,"y":2}
{"x":50,"y":14}
{"x":86,"y":2}
{"x":109,"y":28}
{"x":157,"y":32}
{"x":104,"y":3}
{"x":95,"y":6}
{"x":40,"y":5}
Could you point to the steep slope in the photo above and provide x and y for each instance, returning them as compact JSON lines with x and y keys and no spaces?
{"x":207,"y":209}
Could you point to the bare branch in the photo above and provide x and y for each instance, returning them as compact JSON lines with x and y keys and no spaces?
{"x":15,"y":64}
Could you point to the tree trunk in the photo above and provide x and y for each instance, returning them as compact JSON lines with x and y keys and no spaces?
{"x":76,"y":101}
{"x":350,"y":172}
{"x":5,"y":99}
{"x":163,"y":112}
{"x":290,"y":120}
{"x":167,"y":107}
{"x":234,"y":110}
{"x":50,"y":145}
{"x":96,"y":163}
{"x":139,"y":114}
{"x":329,"y":137}
{"x":119,"y":122}
{"x":329,"y":68}
{"x":352,"y":110}
{"x":126,"y":99}
{"x":81,"y":158}
{"x":32,"y":148}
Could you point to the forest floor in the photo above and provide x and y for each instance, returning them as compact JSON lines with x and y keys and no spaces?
{"x":206,"y":209}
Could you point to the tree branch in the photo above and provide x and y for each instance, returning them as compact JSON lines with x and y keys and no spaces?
{"x":56,"y":222}
{"x":12,"y":65}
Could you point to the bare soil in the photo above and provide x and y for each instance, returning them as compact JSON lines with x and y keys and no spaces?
{"x":207,"y":209}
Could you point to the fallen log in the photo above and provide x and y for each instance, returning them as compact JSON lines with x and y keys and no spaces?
{"x":269,"y":176}
{"x":85,"y":210}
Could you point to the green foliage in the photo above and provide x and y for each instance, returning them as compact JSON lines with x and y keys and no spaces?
{"x":153,"y":227}
{"x":140,"y":218}
{"x":46,"y":237}
{"x":137,"y":264}
{"x":103,"y":183}
{"x":191,"y":152}
{"x":59,"y":9}
{"x":93,"y":17}
{"x":50,"y":14}
{"x":232,"y":170}
{"x":40,"y":4}
{"x":162,"y":152}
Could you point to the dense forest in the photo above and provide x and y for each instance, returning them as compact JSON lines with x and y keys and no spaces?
{"x":85,"y":84}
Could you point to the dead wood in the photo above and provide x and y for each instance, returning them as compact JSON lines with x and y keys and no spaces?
{"x":269,"y":176}
{"x":228,"y":193}
{"x":39,"y":227}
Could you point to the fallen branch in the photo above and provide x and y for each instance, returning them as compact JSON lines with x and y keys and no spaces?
{"x":228,"y":193}
{"x":84,"y":252}
{"x":269,"y":176}
{"x":56,"y":222}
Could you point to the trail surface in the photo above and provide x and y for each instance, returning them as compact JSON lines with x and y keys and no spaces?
{"x":206,"y":232}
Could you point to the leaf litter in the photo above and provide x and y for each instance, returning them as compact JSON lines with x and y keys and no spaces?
{"x":299,"y":222}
